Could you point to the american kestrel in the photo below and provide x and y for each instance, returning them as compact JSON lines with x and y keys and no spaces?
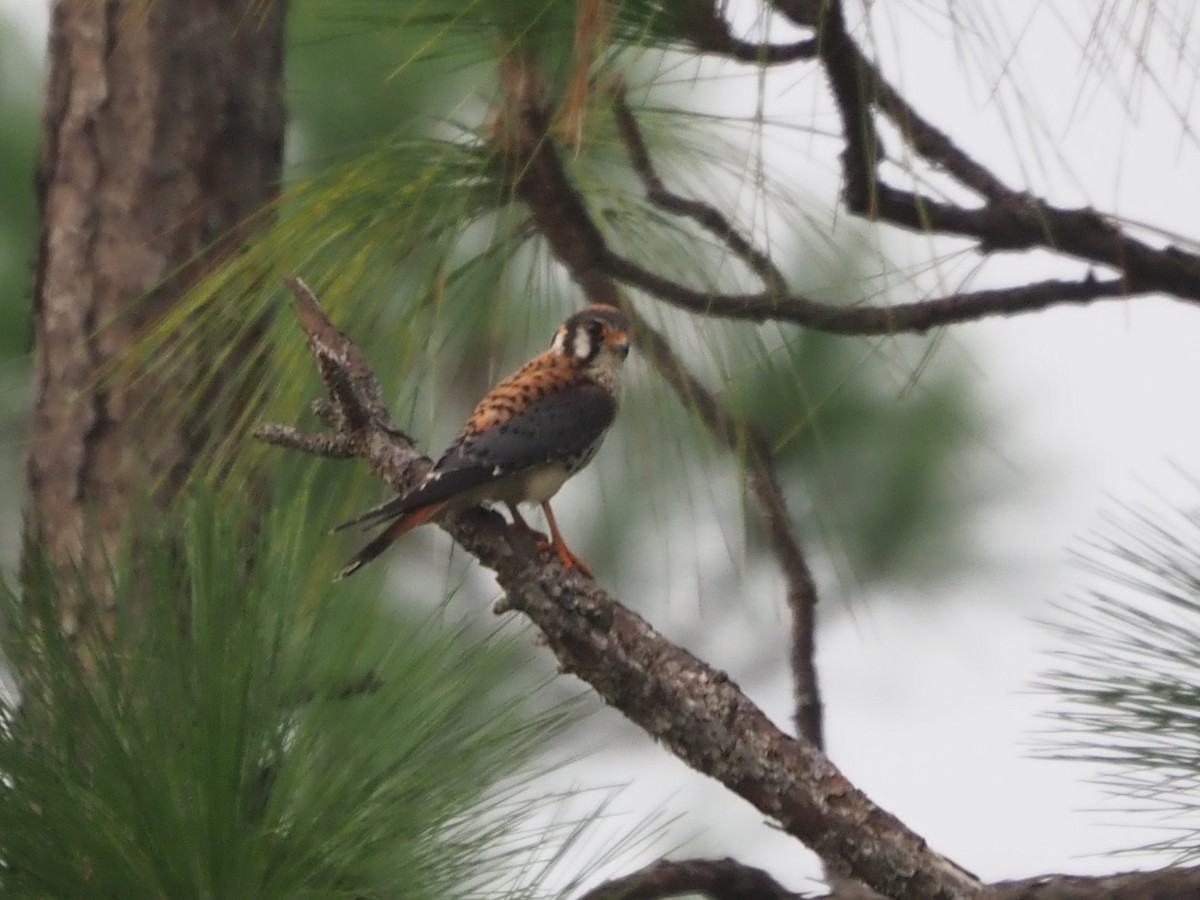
{"x":532,"y":432}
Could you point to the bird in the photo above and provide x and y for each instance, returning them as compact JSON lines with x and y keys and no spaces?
{"x":525,"y":438}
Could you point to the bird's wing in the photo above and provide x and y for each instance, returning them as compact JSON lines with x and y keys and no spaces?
{"x":557,"y":425}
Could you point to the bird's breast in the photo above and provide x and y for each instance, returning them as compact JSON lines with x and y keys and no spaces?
{"x":538,"y":484}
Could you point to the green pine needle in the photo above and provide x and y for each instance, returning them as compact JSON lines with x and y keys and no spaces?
{"x":1127,"y":672}
{"x":251,"y":733}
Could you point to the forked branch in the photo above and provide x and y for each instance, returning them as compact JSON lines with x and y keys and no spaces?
{"x":1009,"y":219}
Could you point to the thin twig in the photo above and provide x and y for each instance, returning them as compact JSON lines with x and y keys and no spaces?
{"x":332,"y":446}
{"x":709,"y":32}
{"x":928,"y":140}
{"x":704,"y":214}
{"x":852,"y":93}
{"x":917,"y":317}
{"x":746,"y":443}
{"x":918,"y":132}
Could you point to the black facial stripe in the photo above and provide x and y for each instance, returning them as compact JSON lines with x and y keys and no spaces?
{"x":592,"y":322}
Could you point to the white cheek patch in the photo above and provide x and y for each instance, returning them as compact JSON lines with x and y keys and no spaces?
{"x":560,"y":340}
{"x":583,"y":344}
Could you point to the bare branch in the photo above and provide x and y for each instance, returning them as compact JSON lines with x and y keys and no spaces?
{"x":704,"y":214}
{"x":354,"y":411}
{"x":356,"y":400}
{"x":709,"y":32}
{"x":1166,"y":884}
{"x":919,"y":317}
{"x":849,"y":82}
{"x":705,"y":720}
{"x":748,"y":445}
{"x":717,"y":879}
{"x":1010,"y":220}
{"x":332,"y":446}
{"x":932,"y":143}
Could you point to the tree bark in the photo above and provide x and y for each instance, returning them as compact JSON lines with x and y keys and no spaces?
{"x":163,"y":131}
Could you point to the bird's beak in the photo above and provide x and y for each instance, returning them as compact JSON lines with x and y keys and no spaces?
{"x":619,"y":342}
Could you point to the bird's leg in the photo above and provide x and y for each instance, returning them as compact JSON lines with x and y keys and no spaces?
{"x":518,"y":521}
{"x":569,"y":559}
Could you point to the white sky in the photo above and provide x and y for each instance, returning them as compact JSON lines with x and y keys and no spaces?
{"x":31,"y":16}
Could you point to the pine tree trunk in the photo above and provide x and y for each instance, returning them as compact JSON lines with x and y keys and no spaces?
{"x":163,"y":130}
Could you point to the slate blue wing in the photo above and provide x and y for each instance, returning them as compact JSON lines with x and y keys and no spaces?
{"x":559,"y":425}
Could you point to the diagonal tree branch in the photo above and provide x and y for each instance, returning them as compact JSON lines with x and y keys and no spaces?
{"x":918,"y":317}
{"x":694,"y":710}
{"x":726,"y":879}
{"x":717,"y":879}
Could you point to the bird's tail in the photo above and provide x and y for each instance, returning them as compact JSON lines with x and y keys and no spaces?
{"x":396,"y":530}
{"x":386,"y":510}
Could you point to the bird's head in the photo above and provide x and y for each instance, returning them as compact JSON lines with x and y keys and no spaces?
{"x":597,"y":335}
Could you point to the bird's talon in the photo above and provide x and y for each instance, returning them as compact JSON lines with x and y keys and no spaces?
{"x":565,"y":556}
{"x":571,"y":561}
{"x":540,"y":539}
